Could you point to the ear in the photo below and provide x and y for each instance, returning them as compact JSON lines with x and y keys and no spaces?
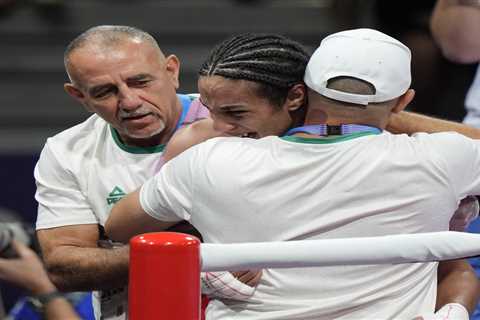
{"x":172,"y":65}
{"x":403,"y":101}
{"x":296,"y":97}
{"x":76,"y":94}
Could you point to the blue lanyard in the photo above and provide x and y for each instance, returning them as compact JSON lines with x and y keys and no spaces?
{"x":327,"y":130}
{"x":186,"y":102}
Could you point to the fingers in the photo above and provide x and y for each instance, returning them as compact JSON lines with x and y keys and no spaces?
{"x":22,"y":250}
{"x":254,"y":282}
{"x":249,"y":277}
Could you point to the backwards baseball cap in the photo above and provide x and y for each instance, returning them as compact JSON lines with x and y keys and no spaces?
{"x":365,"y":54}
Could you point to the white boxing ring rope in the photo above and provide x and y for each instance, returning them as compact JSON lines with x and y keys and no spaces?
{"x":165,"y":267}
{"x":390,"y":249}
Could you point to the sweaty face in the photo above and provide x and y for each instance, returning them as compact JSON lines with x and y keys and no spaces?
{"x":132,"y":86}
{"x":237,"y":109}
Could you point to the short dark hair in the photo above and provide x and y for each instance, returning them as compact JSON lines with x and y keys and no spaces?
{"x":273,"y":61}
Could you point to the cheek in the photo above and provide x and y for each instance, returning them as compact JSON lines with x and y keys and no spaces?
{"x":280,"y":121}
{"x":107,"y":109}
{"x":159,"y":101}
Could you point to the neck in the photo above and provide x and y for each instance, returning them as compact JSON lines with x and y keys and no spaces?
{"x":172,"y":126}
{"x":298,"y":117}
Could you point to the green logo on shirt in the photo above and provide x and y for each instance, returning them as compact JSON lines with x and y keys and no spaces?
{"x":115,"y":195}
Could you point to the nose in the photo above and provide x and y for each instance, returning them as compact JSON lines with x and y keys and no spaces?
{"x":129,"y":99}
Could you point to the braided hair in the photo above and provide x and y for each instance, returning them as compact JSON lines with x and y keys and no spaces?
{"x":275,"y":62}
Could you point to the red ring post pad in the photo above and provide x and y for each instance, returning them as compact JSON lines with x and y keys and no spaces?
{"x":164,"y":277}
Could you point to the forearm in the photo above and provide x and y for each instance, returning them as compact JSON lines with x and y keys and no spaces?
{"x":85,"y":269}
{"x":455,"y":25}
{"x":60,"y":309}
{"x":409,"y":123}
{"x":458,"y":283}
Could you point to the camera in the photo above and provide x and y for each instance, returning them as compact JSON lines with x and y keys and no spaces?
{"x":10,"y":231}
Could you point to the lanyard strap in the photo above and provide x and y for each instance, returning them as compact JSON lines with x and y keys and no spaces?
{"x":186,"y":102}
{"x":327,"y":130}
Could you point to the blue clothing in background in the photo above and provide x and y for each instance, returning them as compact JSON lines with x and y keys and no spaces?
{"x":475,"y":262}
{"x":81,"y":301}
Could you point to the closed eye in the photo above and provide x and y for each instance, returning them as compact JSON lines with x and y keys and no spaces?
{"x":237,"y":114}
{"x":138,"y":83}
{"x":103,"y":91}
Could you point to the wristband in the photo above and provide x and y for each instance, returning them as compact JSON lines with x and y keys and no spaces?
{"x":453,"y":311}
{"x":224,"y":285}
{"x":39,"y":302}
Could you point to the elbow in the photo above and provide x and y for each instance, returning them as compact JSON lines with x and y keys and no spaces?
{"x":110,"y":230}
{"x":463,"y":56}
{"x":113,"y":232}
{"x":59,"y":278}
{"x":459,"y":49}
{"x":60,"y":282}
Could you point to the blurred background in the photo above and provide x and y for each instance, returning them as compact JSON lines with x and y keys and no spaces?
{"x":34,"y":33}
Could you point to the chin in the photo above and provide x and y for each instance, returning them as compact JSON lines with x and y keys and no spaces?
{"x":145,"y":133}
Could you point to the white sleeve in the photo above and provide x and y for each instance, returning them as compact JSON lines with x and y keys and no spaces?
{"x":461,"y":158}
{"x":168,"y":196}
{"x":60,"y":199}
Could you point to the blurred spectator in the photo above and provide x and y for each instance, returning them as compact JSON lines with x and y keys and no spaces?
{"x":21,"y":266}
{"x":27,"y":271}
{"x":440,"y":85}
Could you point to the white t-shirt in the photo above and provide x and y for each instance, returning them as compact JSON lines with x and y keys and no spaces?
{"x":278,"y":189}
{"x":472,"y":102}
{"x":84,"y":170}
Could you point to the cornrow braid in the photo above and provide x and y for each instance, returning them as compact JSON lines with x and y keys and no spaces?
{"x":275,"y":62}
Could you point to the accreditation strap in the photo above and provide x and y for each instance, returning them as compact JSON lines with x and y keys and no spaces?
{"x":333,"y":130}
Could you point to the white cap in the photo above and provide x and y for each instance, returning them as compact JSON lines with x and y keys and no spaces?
{"x":365,"y":54}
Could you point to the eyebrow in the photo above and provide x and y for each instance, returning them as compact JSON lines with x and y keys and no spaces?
{"x":140,"y":76}
{"x":224,"y":108}
{"x":96,"y":89}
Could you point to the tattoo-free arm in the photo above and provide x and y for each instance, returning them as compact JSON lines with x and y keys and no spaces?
{"x":76,"y":263}
{"x":189,"y":136}
{"x":457,"y":283}
{"x":128,"y":219}
{"x":409,"y":123}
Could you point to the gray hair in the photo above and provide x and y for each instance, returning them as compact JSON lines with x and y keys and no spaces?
{"x":107,"y":35}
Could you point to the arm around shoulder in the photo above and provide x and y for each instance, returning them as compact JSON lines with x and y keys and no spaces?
{"x":410,"y":123}
{"x":189,"y":136}
{"x":128,"y":219}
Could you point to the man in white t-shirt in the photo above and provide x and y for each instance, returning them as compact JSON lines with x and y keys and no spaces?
{"x":351,"y":179}
{"x":120,"y":74}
